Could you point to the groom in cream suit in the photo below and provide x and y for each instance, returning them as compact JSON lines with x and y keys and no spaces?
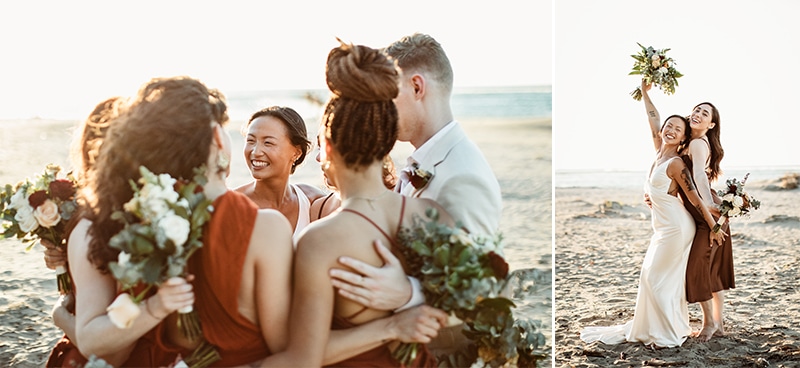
{"x":446,"y":167}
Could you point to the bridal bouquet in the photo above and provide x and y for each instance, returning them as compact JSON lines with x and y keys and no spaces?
{"x":40,"y":209}
{"x":163,"y":228}
{"x":655,"y":67}
{"x":463,"y":275}
{"x":735,"y":201}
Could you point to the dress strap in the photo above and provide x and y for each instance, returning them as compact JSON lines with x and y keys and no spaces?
{"x":356,"y":314}
{"x":391,"y":240}
{"x":322,"y":207}
{"x":372,"y":222}
{"x":402,"y":213}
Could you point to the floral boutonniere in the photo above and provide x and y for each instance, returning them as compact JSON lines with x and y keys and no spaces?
{"x":419,"y":178}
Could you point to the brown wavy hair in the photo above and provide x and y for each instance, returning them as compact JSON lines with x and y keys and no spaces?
{"x":360,"y":119}
{"x":86,"y":146}
{"x":717,"y":153}
{"x":168,"y":128}
{"x":298,"y":134}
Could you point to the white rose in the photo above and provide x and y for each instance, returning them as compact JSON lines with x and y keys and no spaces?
{"x":655,"y":61}
{"x":154,"y":208}
{"x":734,"y":212}
{"x":26,"y":219}
{"x":175,"y":228}
{"x":460,"y":236}
{"x":47,"y":214}
{"x":123,"y":259}
{"x":728,"y":197}
{"x":123,"y":311}
{"x":738,"y":201}
{"x":663,"y":70}
{"x":166,"y":181}
{"x":19,"y":200}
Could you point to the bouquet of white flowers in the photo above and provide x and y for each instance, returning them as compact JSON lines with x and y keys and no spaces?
{"x":735,"y":201}
{"x":655,"y":67}
{"x":40,"y":209}
{"x":163,"y":228}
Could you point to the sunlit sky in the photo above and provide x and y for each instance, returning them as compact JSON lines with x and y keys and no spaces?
{"x":59,"y":58}
{"x":740,"y":55}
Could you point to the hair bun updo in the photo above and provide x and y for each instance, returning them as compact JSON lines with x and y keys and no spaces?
{"x":361,"y":73}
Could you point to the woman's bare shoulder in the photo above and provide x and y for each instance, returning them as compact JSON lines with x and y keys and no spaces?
{"x":244,"y":188}
{"x":313,"y":193}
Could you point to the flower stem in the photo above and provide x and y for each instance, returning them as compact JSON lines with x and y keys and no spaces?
{"x":203,"y":356}
{"x":189,"y":324}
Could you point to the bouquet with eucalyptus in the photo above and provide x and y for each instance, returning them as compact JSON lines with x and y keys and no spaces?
{"x":463,"y":275}
{"x":655,"y":67}
{"x":735,"y":201}
{"x":163,"y":228}
{"x":40,"y":209}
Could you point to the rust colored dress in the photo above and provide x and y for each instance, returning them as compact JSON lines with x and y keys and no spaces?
{"x":380,"y":356}
{"x":146,"y":353}
{"x":709,"y":269}
{"x":217,"y":267}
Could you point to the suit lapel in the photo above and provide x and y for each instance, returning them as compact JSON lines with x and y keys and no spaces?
{"x":439,"y":153}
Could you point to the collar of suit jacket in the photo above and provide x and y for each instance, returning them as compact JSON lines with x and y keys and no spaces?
{"x":435,"y":150}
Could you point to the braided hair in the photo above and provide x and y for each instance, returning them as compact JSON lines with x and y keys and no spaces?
{"x":360,"y":119}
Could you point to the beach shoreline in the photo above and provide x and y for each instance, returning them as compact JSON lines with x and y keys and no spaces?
{"x":601,"y":236}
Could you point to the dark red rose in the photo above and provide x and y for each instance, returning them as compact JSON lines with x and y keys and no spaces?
{"x":37,"y":198}
{"x":417,"y":181}
{"x":499,"y":265}
{"x":62,"y":189}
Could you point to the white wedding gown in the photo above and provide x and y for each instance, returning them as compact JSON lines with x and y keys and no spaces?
{"x":662,"y":314}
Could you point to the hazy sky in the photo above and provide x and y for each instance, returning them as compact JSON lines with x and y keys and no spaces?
{"x":59,"y":58}
{"x":742,"y":56}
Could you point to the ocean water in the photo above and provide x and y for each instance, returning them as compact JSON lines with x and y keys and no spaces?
{"x":635,"y":179}
{"x":495,"y":102}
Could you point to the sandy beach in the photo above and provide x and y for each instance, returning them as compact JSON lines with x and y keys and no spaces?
{"x":601,"y":237}
{"x":519,"y":150}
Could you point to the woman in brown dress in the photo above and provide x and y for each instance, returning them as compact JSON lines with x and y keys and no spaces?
{"x":709,"y":271}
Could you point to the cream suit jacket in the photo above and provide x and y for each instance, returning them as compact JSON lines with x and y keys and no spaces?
{"x":462,"y":182}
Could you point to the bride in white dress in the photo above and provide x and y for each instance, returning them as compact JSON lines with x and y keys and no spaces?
{"x":661,"y":317}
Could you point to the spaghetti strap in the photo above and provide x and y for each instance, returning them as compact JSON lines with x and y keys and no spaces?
{"x":371,"y":222}
{"x":402,"y":213}
{"x":322,"y":207}
{"x":391,"y":240}
{"x":354,"y":315}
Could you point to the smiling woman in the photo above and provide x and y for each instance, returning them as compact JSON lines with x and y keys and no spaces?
{"x":276,"y":142}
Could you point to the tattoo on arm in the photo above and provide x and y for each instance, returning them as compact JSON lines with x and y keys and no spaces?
{"x":652,"y":113}
{"x":687,"y":179}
